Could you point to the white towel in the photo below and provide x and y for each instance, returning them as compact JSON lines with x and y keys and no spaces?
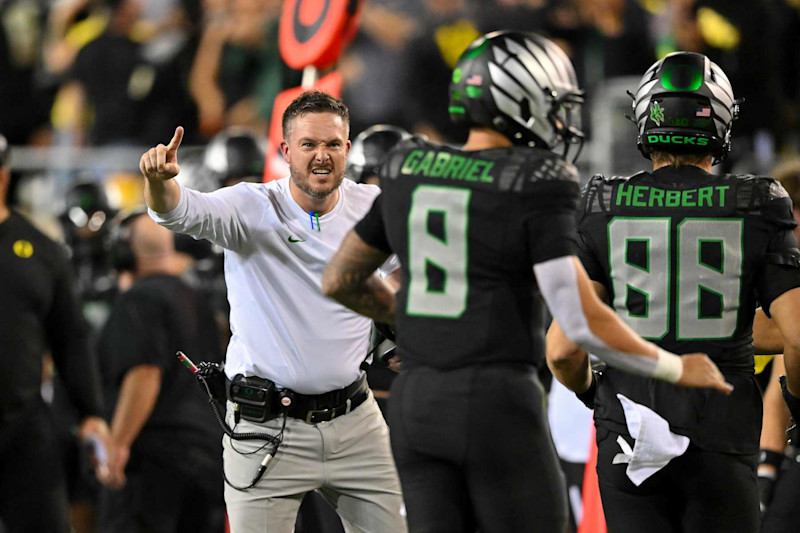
{"x":655,"y":444}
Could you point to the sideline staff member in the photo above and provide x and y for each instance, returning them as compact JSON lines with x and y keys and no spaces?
{"x":165,"y":456}
{"x":277,"y":238}
{"x":39,"y":313}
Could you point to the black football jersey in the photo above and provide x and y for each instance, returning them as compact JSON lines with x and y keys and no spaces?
{"x":468,"y":228}
{"x":685,"y":257}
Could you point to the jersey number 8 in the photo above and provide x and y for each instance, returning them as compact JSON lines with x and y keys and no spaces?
{"x":445,"y":254}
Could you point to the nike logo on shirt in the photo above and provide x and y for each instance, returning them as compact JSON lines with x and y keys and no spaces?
{"x":292,"y":239}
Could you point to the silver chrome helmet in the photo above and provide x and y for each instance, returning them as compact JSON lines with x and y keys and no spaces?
{"x":521,"y":85}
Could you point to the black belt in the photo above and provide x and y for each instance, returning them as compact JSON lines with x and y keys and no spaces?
{"x":316,"y":408}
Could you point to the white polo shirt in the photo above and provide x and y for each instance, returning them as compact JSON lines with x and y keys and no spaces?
{"x":283,"y":328}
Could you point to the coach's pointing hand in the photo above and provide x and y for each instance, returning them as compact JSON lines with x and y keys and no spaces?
{"x":161,"y":163}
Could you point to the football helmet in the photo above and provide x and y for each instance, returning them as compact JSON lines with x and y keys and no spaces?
{"x":370,"y":147}
{"x":521,"y":85}
{"x":685,"y":104}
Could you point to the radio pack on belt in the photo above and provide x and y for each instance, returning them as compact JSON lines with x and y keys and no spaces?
{"x":254,"y":396}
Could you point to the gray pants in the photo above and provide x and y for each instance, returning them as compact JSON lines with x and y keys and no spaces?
{"x":348,"y":460}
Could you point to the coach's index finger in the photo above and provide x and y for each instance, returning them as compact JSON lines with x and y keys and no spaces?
{"x":172,"y":147}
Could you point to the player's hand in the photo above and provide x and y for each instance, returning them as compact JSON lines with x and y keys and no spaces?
{"x":392,"y":359}
{"x":161,"y":163}
{"x":395,"y":363}
{"x":94,"y":430}
{"x":117,"y":461}
{"x":700,"y":371}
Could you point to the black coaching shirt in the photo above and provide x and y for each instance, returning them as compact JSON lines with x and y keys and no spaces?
{"x":148,"y":324}
{"x":468,"y":228}
{"x":685,"y":257}
{"x":40,"y":314}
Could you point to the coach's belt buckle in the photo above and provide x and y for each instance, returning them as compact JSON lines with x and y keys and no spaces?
{"x":312,"y":412}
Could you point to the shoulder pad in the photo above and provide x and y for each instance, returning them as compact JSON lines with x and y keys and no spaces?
{"x":764,"y":196}
{"x":390,"y":169}
{"x":552,"y":167}
{"x":597,"y":193}
{"x":523,"y":168}
{"x":756,"y":190}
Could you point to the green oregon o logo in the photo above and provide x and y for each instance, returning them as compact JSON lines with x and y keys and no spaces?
{"x":682,"y":78}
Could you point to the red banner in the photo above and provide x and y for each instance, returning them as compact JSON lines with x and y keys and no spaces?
{"x":314,"y":32}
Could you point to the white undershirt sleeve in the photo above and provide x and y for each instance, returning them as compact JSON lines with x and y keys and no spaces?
{"x":557,"y":281}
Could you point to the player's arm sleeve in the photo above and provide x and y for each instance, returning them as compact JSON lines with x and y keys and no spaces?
{"x":68,"y":337}
{"x":371,"y":228}
{"x":552,"y":246}
{"x":220,"y":216}
{"x":781,"y":268}
{"x":558,"y":281}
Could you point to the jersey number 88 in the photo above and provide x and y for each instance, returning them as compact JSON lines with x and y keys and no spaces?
{"x":719,"y":278}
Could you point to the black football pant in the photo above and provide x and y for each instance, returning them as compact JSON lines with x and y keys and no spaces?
{"x":474,"y":451}
{"x":33,"y":490}
{"x":700,"y":491}
{"x":783,"y":513}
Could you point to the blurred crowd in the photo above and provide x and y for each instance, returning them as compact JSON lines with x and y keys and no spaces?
{"x":118,"y":74}
{"x":124,"y":73}
{"x":87,"y":84}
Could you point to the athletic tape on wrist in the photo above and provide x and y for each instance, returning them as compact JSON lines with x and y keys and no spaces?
{"x":669,"y":367}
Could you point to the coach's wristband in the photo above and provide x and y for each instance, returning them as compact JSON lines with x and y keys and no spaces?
{"x":669,"y":367}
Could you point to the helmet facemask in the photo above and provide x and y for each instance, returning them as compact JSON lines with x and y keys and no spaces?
{"x":565,"y":117}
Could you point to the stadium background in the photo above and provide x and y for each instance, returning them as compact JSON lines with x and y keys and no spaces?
{"x":79,"y":116}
